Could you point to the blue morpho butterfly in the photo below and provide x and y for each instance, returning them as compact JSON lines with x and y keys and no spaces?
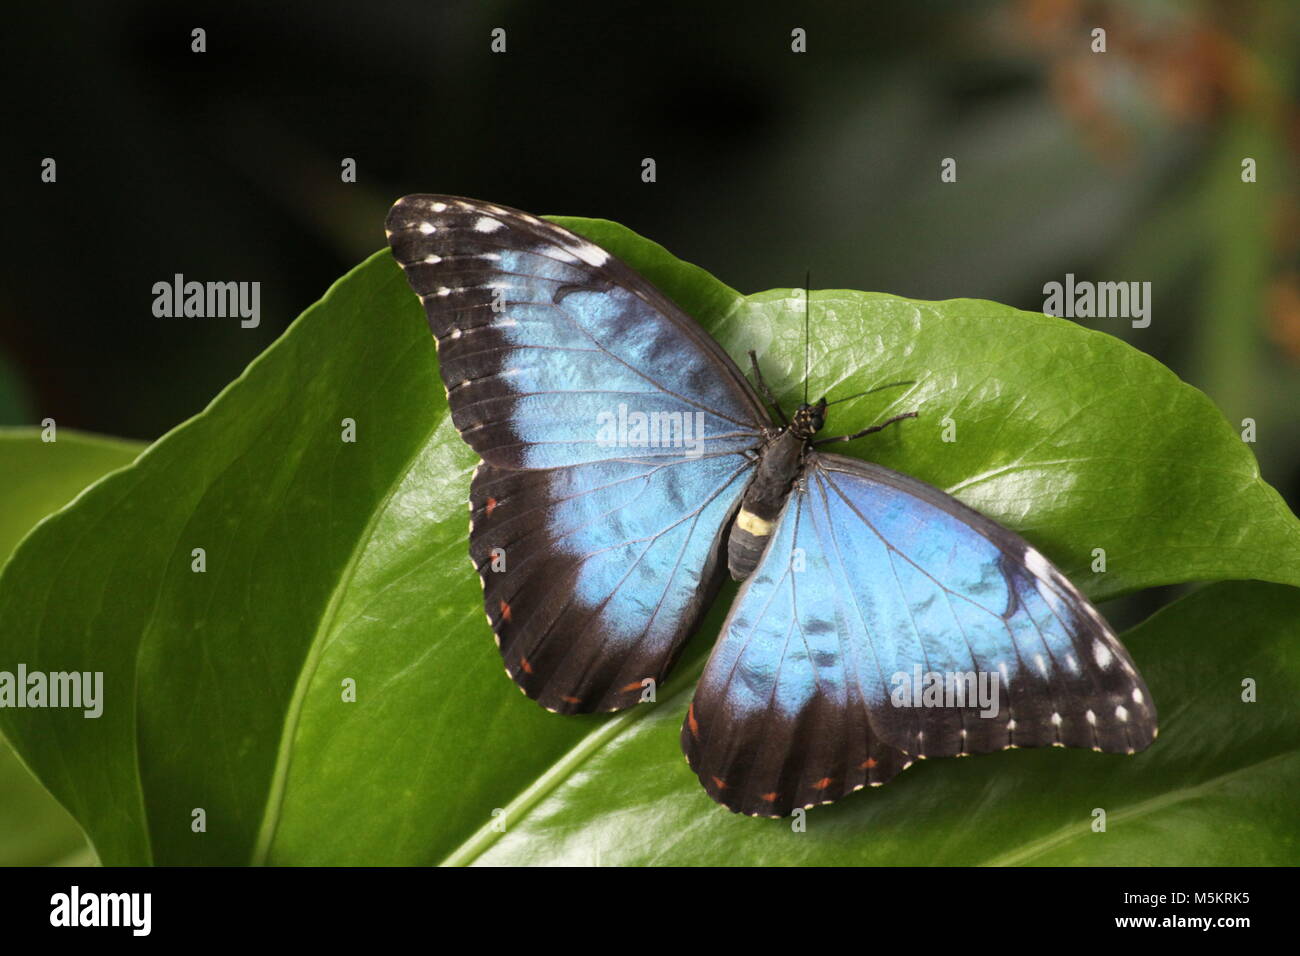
{"x":856,"y":578}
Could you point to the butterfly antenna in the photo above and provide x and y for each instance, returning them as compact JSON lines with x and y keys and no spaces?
{"x":878,"y":388}
{"x":807,"y":341}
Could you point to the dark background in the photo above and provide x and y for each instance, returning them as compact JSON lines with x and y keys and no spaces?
{"x":225,"y":166}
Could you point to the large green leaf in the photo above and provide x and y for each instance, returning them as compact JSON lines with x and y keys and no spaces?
{"x":36,"y":478}
{"x":330,"y":562}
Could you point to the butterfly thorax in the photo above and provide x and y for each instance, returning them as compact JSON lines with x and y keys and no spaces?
{"x":781,"y":458}
{"x":808,"y":420}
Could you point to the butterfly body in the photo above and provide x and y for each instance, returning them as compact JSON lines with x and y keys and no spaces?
{"x":626,"y":458}
{"x":781,"y":458}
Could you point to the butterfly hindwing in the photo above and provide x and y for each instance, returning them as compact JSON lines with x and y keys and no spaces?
{"x":779,"y":720}
{"x":879,"y":582}
{"x":597,"y":544}
{"x":594,"y":574}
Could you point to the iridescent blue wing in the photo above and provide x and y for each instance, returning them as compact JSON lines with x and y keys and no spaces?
{"x":541,"y":333}
{"x":873,"y":582}
{"x":595,"y":531}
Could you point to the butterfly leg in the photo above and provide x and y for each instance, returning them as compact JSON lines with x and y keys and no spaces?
{"x":767,"y":392}
{"x":866,"y":431}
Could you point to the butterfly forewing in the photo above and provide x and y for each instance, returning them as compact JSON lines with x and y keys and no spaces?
{"x":937,"y":586}
{"x":542,"y":336}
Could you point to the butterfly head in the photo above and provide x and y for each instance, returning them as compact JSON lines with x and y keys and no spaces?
{"x":809,"y":419}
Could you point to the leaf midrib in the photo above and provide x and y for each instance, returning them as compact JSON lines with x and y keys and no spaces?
{"x":487,"y":835}
{"x":1159,"y":802}
{"x":272,"y":813}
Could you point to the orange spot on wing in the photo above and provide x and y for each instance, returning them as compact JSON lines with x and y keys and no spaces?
{"x":572,"y":700}
{"x":635,"y":685}
{"x":771,"y":797}
{"x":822,"y":784}
{"x":868,"y":763}
{"x":523,"y":662}
{"x":505,"y":611}
{"x":720,"y":783}
{"x":491,"y":505}
{"x":691,"y":722}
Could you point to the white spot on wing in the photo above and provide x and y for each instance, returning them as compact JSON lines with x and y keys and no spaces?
{"x":1101,"y":653}
{"x":1137,"y":695}
{"x":487,"y":224}
{"x":1037,"y":564}
{"x":432,"y":260}
{"x":427,"y":227}
{"x":590,"y":254}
